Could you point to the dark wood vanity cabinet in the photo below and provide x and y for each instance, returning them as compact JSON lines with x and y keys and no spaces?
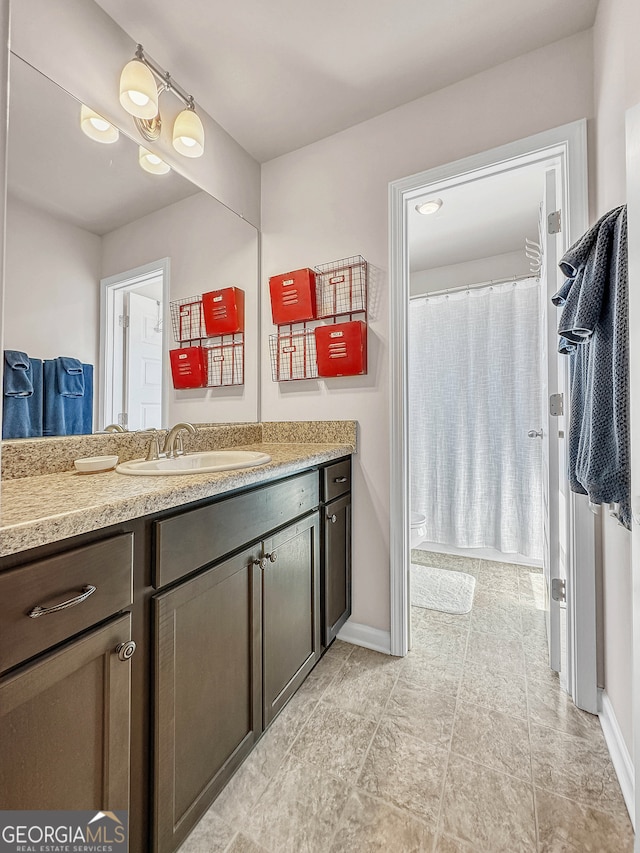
{"x":336,"y":548}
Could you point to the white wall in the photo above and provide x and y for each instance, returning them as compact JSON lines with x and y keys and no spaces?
{"x":469,"y":272}
{"x":52,"y":271}
{"x":616,"y":88}
{"x":329,"y":200}
{"x":209,"y":248}
{"x":82,"y":49}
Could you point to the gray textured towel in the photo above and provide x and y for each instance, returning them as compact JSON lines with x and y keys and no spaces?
{"x":594,"y":332}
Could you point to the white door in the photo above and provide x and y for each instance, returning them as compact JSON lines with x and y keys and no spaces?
{"x":555,"y":490}
{"x":144,"y":363}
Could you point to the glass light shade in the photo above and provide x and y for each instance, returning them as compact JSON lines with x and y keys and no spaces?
{"x":150,"y":162}
{"x":433,"y":205}
{"x":96,"y":127}
{"x":188,"y":134}
{"x":138,"y":90}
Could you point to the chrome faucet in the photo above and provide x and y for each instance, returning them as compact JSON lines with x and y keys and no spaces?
{"x":173,"y":442}
{"x":114,"y":428}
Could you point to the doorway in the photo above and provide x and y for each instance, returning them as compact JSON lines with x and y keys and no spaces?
{"x":563,"y":153}
{"x":132,"y":347}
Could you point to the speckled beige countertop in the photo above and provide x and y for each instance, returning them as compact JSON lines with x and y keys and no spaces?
{"x":54,"y":506}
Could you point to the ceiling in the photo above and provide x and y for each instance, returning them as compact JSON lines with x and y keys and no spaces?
{"x":93,"y":186}
{"x":486,"y":217}
{"x":281,"y":74}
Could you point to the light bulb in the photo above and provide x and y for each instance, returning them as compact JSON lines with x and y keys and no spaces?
{"x":150,"y":162}
{"x":138,"y":90}
{"x":432,"y":205}
{"x":96,"y":127}
{"x":188,"y":134}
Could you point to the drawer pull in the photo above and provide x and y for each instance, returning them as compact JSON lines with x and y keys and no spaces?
{"x":125,"y":650}
{"x":339,"y":479}
{"x":272,"y":557}
{"x":332,"y":518}
{"x":42,"y":611}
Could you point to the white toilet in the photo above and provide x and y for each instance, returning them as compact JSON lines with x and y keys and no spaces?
{"x":418,"y":528}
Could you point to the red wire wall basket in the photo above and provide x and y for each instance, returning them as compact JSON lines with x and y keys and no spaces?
{"x":225,"y":363}
{"x":293,"y":355}
{"x":341,"y":287}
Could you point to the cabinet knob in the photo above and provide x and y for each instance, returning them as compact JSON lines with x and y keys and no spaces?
{"x":340,"y":480}
{"x":272,"y":557}
{"x":261,"y":563}
{"x":125,"y":650}
{"x":332,"y":518}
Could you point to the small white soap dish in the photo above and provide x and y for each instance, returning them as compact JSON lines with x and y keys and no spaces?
{"x":94,"y":464}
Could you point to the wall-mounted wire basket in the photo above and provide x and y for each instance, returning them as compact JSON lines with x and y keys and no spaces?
{"x":225,"y":362}
{"x":293,"y":355}
{"x":187,"y":319}
{"x":341,"y":287}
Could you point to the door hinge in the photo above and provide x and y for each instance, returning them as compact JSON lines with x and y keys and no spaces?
{"x":123,"y":320}
{"x":556,"y":405}
{"x":554,"y":222}
{"x":559,"y":589}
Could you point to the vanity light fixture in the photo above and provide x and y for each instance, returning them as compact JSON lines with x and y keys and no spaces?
{"x":96,"y":127}
{"x":141,"y":82}
{"x":432,"y":205}
{"x":150,"y":162}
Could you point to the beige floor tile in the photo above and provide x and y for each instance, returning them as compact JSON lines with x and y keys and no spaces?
{"x":428,"y":617}
{"x":405,"y":772}
{"x":531,"y":587}
{"x":497,"y":620}
{"x":335,"y":740}
{"x":493,"y":739}
{"x":566,"y":826}
{"x":439,"y":640}
{"x":483,"y":684}
{"x":211,"y":835}
{"x":364,"y":683}
{"x":534,"y":630}
{"x":504,"y":653}
{"x":242,"y":844}
{"x":487,"y":809}
{"x":549,"y":705}
{"x":439,"y":673}
{"x":371,"y":826}
{"x":489,"y":597}
{"x":447,"y":844}
{"x":323,"y":673}
{"x":242,"y":791}
{"x":422,"y":712}
{"x":451,"y":562}
{"x":299,"y":810}
{"x":575,"y":767}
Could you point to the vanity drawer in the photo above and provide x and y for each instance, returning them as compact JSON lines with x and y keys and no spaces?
{"x":337,"y":479}
{"x":193,"y":539}
{"x":106,"y":565}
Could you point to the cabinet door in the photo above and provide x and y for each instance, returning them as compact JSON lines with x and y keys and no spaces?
{"x":291,"y":611}
{"x":65,"y":726}
{"x":336,"y":567}
{"x":207,"y":690}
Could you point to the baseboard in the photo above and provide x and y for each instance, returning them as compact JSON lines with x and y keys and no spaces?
{"x":364,"y":635}
{"x":622,"y":763}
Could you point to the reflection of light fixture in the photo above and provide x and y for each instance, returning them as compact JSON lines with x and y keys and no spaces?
{"x":188,"y":133}
{"x":96,"y":127}
{"x":138,"y":89}
{"x":150,"y":162}
{"x":432,"y":205}
{"x":140,"y":83}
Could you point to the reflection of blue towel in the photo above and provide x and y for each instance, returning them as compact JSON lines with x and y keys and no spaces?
{"x":17,"y":380}
{"x":67,"y":415}
{"x":69,"y":377}
{"x":22,"y":416}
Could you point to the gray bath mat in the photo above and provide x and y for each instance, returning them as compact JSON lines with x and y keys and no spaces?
{"x":439,"y":589}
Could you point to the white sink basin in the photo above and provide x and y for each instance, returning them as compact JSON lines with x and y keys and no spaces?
{"x":206,"y":462}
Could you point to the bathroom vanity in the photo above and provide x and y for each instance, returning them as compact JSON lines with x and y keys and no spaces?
{"x":188,"y":630}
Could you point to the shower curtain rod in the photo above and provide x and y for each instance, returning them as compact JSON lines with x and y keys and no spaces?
{"x":513,"y":278}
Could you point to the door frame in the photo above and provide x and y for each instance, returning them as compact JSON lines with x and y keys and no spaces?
{"x":111,"y":288}
{"x":569,"y":144}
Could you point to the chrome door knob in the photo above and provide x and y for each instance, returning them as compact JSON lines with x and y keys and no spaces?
{"x":535,"y":433}
{"x":126,"y":650}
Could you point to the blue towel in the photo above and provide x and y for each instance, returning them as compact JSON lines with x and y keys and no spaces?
{"x":17,"y":380}
{"x":22,"y":416}
{"x":594,"y":320}
{"x":69,"y":376}
{"x":67,"y":415}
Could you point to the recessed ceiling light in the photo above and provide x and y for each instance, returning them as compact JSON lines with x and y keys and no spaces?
{"x":432,"y":205}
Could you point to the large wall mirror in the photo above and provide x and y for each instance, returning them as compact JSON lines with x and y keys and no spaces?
{"x":81,"y":215}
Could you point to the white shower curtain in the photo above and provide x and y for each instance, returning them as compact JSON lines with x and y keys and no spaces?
{"x":474,"y":390}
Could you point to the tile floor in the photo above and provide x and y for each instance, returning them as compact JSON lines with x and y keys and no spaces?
{"x":465,"y":745}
